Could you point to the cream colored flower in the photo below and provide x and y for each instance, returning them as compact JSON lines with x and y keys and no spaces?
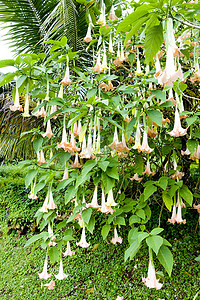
{"x":44,"y":274}
{"x":83,"y":243}
{"x":94,"y":203}
{"x":151,"y":281}
{"x":68,"y":251}
{"x":48,"y":132}
{"x":116,"y":239}
{"x":66,"y":80}
{"x":177,"y":130}
{"x":61,"y":275}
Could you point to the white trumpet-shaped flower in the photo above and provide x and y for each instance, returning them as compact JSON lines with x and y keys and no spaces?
{"x":61,"y":275}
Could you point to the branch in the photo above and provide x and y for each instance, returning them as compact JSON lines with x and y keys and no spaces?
{"x":185,"y":22}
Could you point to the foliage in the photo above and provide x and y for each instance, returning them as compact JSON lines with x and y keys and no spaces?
{"x":139,"y":91}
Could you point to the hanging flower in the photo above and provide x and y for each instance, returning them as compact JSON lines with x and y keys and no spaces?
{"x":186,"y":152}
{"x":112,"y":16}
{"x":110,"y":199}
{"x":51,"y":204}
{"x":137,"y":138}
{"x":68,"y":251}
{"x":178,"y":217}
{"x":151,"y":281}
{"x":50,"y":285}
{"x":98,"y":68}
{"x":148,"y":170}
{"x":66,"y":80}
{"x":44,"y":207}
{"x":40,"y":158}
{"x":26,"y":106}
{"x":53,"y":110}
{"x":110,"y":47}
{"x":136,"y":177}
{"x":32,"y":194}
{"x":88,"y":37}
{"x":94,"y":203}
{"x":61,"y":274}
{"x":196,"y":154}
{"x":104,"y":208}
{"x":177,"y":130}
{"x":76,"y":163}
{"x":65,"y":175}
{"x":48,"y":132}
{"x":64,"y":141}
{"x":44,"y":274}
{"x":16,"y":105}
{"x":83,"y":242}
{"x":116,"y":239}
{"x":173,"y":217}
{"x":145,"y":147}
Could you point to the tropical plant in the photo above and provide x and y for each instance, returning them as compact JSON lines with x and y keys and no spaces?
{"x":94,"y":121}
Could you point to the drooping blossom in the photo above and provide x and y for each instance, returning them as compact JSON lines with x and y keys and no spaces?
{"x":104,"y":208}
{"x":110,"y":199}
{"x":116,"y":239}
{"x":110,"y":46}
{"x":112,"y":16}
{"x":102,"y":18}
{"x":88,"y":37}
{"x":87,"y":152}
{"x":177,"y":175}
{"x":64,"y":141}
{"x":94,"y":203}
{"x":77,"y":129}
{"x":26,"y":106}
{"x":173,"y":217}
{"x":52,"y":237}
{"x":16,"y":105}
{"x":83,"y":243}
{"x":61,"y":275}
{"x":119,"y":298}
{"x":76,"y":163}
{"x":40,"y":158}
{"x":51,"y":204}
{"x":71,"y":147}
{"x":32,"y":194}
{"x":137,"y":138}
{"x":50,"y":285}
{"x":44,"y":274}
{"x":138,"y":71}
{"x":177,"y":130}
{"x":104,"y":64}
{"x":186,"y":152}
{"x":48,"y":132}
{"x":53,"y":110}
{"x":148,"y":170}
{"x":66,"y":80}
{"x":178,"y":217}
{"x":151,"y":132}
{"x":44,"y":207}
{"x":197,"y":207}
{"x":41,"y":112}
{"x":151,"y":281}
{"x":115,"y":144}
{"x":68,"y":251}
{"x":196,"y":154}
{"x":136,"y":178}
{"x":98,"y":68}
{"x":145,"y":147}
{"x":65,"y":175}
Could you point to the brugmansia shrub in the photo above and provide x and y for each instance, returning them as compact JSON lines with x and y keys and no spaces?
{"x":122,"y":128}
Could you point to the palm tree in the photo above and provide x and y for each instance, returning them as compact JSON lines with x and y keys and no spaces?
{"x":32,"y":22}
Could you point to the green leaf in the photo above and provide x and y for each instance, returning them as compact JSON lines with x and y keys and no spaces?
{"x":162,"y":182}
{"x":54,"y":254}
{"x":156,"y":231}
{"x":105,"y":230}
{"x":37,"y":143}
{"x":108,"y":182}
{"x":36,"y":238}
{"x":134,"y":219}
{"x":154,"y":242}
{"x":132,"y":18}
{"x":69,"y":194}
{"x":88,"y":166}
{"x":167,"y":199}
{"x":113,"y":172}
{"x":148,"y":191}
{"x":156,"y":116}
{"x":86,"y":215}
{"x":191,"y":120}
{"x":132,"y":250}
{"x":64,"y":183}
{"x":120,"y":221}
{"x":103,"y":165}
{"x":39,"y":187}
{"x":132,"y":235}
{"x":186,"y":194}
{"x":153,"y":42}
{"x":166,"y":259}
{"x":140,"y":213}
{"x":136,"y":26}
{"x":7,"y":78}
{"x":91,"y":224}
{"x":29,"y":177}
{"x":139,"y":164}
{"x":192,"y":145}
{"x":7,"y":63}
{"x":20,"y":80}
{"x":68,"y":238}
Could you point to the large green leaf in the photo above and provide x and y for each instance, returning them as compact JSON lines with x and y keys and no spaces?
{"x":6,"y":63}
{"x":154,"y":242}
{"x":186,"y":194}
{"x":153,"y":42}
{"x":167,"y":199}
{"x":132,"y":250}
{"x":156,"y":116}
{"x":166,"y":258}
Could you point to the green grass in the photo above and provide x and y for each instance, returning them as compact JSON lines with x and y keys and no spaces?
{"x":97,"y":273}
